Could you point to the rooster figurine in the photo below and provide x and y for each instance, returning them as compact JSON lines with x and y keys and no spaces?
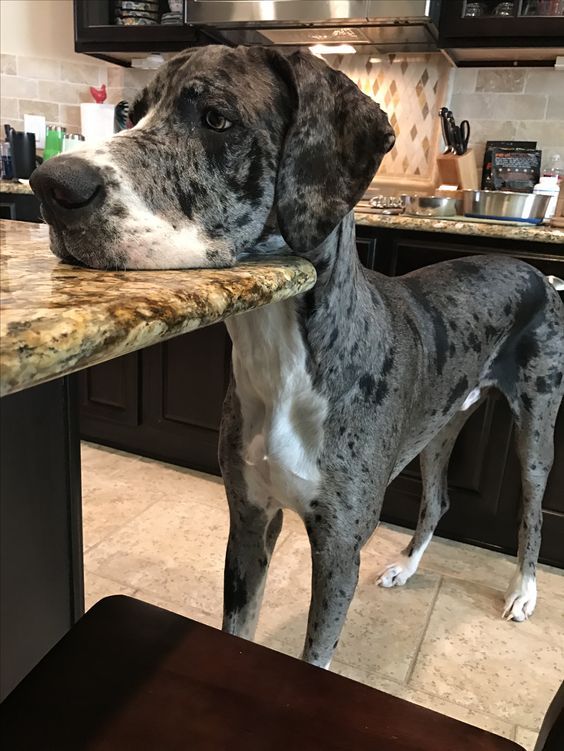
{"x":99,"y":95}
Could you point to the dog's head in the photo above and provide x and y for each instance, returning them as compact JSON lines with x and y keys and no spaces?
{"x":228,"y":145}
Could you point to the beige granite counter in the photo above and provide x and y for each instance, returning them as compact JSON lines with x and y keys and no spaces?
{"x":13,"y":186}
{"x":56,"y":318}
{"x":541,"y":234}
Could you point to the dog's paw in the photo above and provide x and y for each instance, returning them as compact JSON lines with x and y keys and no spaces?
{"x":520,"y":599}
{"x":396,"y":574}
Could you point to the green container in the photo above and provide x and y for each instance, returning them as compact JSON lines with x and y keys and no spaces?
{"x":53,"y":141}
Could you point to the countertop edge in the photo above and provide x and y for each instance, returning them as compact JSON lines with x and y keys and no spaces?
{"x":544,"y":234}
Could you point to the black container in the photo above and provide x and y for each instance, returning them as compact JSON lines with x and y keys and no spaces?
{"x":23,"y":153}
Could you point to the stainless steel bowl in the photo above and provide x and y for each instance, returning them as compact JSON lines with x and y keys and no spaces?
{"x":432,"y":206}
{"x":505,"y":205}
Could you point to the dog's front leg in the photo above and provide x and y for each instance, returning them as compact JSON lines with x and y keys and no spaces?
{"x":335,"y":565}
{"x":252,"y":536}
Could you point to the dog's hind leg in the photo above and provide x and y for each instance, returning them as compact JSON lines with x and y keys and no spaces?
{"x":434,"y":461}
{"x":252,"y":537}
{"x":534,"y":432}
{"x":530,"y":373}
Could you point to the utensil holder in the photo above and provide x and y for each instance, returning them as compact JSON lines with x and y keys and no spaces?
{"x":458,"y":170}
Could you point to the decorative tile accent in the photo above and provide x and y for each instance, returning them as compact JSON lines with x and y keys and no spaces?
{"x":410,"y":88}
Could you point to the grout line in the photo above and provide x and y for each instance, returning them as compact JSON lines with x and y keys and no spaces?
{"x":424,"y":633}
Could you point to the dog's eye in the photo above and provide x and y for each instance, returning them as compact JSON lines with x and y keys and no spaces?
{"x":215,"y":121}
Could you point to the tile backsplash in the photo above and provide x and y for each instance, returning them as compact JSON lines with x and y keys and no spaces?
{"x":55,"y":88}
{"x":517,"y":104}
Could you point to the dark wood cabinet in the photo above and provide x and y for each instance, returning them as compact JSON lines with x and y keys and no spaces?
{"x":19,"y":207}
{"x":96,"y":33}
{"x":41,"y":576}
{"x":163,"y":402}
{"x":525,"y":26}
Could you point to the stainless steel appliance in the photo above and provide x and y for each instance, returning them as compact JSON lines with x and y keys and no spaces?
{"x":368,"y":25}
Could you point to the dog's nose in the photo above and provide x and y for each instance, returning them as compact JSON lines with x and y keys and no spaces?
{"x":68,"y":187}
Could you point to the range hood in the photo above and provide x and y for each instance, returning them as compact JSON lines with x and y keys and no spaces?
{"x":370,"y":26}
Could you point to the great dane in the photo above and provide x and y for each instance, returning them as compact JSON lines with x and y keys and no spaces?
{"x":239,"y":151}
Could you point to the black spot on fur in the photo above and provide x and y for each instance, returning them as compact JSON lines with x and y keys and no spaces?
{"x":367,"y":384}
{"x":235,"y":594}
{"x":527,"y":401}
{"x":440,"y":334}
{"x":490,"y":332}
{"x":542,"y":386}
{"x":527,"y":349}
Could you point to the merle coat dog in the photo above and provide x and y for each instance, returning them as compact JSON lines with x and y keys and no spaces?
{"x":334,"y":392}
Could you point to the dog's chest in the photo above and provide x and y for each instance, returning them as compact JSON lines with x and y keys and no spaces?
{"x":281,"y":412}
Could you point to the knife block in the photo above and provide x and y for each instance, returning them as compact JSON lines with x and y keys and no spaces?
{"x":458,"y":170}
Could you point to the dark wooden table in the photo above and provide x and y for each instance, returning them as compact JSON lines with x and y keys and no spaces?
{"x":130,"y":676}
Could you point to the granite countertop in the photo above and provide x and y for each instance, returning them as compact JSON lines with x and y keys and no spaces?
{"x":56,"y":318}
{"x":13,"y":186}
{"x":542,"y":234}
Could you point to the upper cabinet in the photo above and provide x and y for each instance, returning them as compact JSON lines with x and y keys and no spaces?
{"x":471,"y":31}
{"x":487,"y":31}
{"x":104,"y":28}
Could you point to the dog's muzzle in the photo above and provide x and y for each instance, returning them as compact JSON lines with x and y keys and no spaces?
{"x":69,"y":188}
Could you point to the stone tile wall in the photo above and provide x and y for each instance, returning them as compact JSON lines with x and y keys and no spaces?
{"x":525,"y":104}
{"x":55,"y":88}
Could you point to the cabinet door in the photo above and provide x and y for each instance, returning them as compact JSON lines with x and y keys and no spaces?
{"x":483,"y":509}
{"x":185,"y":380}
{"x":528,"y":25}
{"x":110,"y":391}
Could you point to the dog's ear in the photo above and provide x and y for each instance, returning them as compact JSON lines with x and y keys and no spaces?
{"x":333,"y":147}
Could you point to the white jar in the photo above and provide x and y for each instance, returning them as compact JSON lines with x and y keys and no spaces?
{"x":548,"y":186}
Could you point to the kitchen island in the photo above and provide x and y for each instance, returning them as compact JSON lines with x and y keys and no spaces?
{"x":55,"y":320}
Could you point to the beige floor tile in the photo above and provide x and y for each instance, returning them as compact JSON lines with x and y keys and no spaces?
{"x":470,"y":563}
{"x":509,"y":670}
{"x":117,"y":487}
{"x":527,"y":738}
{"x":382,"y":683}
{"x":184,"y":609}
{"x":383,"y":628}
{"x":96,"y":587}
{"x":173,"y":548}
{"x":443,"y":706}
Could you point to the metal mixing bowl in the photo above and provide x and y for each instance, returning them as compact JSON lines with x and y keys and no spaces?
{"x":432,"y":206}
{"x":505,"y":205}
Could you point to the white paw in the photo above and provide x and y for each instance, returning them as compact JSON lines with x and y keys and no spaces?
{"x":396,"y":574}
{"x":520,"y":599}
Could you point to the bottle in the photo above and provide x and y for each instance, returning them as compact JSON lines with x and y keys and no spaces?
{"x":7,"y":169}
{"x":555,"y":168}
{"x":548,"y":185}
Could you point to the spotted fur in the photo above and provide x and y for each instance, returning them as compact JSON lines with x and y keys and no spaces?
{"x":334,"y":392}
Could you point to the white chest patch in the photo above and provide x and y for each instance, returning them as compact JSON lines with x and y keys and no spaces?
{"x":282,"y":414}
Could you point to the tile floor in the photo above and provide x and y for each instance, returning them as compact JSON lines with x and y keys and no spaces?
{"x":159,"y":532}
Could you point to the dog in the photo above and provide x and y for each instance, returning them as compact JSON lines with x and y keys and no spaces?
{"x":248,"y":151}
